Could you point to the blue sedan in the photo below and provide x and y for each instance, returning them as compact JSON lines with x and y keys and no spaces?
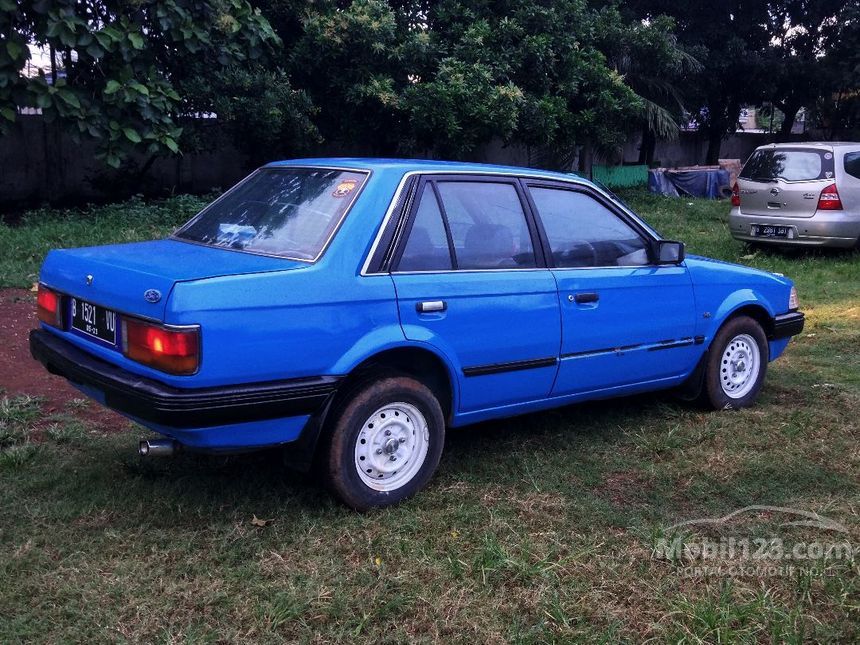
{"x":353,"y":309}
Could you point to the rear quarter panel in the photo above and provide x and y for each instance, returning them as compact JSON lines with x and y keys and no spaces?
{"x":322,"y":319}
{"x":286,"y":324}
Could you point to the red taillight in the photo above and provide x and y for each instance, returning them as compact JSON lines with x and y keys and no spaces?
{"x":829,"y":199}
{"x":176,"y":351}
{"x":736,"y":195}
{"x":48,"y":307}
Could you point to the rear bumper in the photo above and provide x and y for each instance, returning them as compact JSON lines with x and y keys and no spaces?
{"x":835,"y":228}
{"x":786,"y":325}
{"x":154,"y":402}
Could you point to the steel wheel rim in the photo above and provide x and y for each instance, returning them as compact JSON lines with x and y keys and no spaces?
{"x":391,"y":446}
{"x":740,"y":365}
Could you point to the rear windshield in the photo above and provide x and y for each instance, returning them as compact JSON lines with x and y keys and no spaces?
{"x":799,"y":164}
{"x":288,"y":212}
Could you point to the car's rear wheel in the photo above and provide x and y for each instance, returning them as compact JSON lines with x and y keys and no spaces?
{"x":385,"y":442}
{"x":736,"y":366}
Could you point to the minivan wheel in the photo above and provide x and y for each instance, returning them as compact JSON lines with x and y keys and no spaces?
{"x":385,"y":443}
{"x":736,"y":367}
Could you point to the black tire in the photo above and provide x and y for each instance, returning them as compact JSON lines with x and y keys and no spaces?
{"x":718,"y":368}
{"x":348,"y":423}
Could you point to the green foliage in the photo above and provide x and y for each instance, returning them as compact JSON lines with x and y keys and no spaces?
{"x":117,"y":67}
{"x":425,"y":77}
{"x":23,"y":247}
{"x":258,"y":109}
{"x":838,"y":110}
{"x":445,"y":77}
{"x":798,"y":73}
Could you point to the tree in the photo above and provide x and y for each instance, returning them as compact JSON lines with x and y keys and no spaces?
{"x":356,"y":60}
{"x":728,"y":38}
{"x":543,"y":75}
{"x":117,"y":67}
{"x":837,"y":110}
{"x":656,"y":67}
{"x":444,"y":77}
{"x":801,"y":32}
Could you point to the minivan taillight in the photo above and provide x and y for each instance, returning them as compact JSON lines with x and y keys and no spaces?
{"x":49,"y":306}
{"x":171,"y":350}
{"x":829,"y":199}
{"x":736,"y":195}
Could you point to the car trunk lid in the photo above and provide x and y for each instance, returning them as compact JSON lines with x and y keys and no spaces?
{"x":117,"y":276}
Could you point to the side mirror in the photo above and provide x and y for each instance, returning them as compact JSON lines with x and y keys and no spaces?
{"x":669,"y":252}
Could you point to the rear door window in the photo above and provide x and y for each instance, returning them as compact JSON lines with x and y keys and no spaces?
{"x":488,"y":225}
{"x":789,"y":164}
{"x":427,"y":247}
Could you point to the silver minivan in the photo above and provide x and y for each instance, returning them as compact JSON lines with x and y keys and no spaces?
{"x":799,"y":194}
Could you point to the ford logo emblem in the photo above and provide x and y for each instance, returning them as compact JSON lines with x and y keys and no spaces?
{"x":152,"y":295}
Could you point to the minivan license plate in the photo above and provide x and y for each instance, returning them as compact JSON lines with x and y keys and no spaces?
{"x":761,"y":230}
{"x":94,"y":320}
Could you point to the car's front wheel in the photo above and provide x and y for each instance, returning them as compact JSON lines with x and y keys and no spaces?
{"x":736,"y":365}
{"x":385,"y":442}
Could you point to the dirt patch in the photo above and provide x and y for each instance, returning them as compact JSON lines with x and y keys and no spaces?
{"x":20,"y":374}
{"x":624,"y":488}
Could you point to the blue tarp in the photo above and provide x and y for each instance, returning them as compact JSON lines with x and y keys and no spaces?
{"x":692,"y":183}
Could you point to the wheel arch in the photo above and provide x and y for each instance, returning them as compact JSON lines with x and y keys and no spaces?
{"x":418,"y":361}
{"x":421,"y":362}
{"x":745,"y":302}
{"x":692,"y":386}
{"x":755,"y":310}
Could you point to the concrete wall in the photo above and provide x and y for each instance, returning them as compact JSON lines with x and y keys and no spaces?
{"x":39,"y":163}
{"x":690,"y":148}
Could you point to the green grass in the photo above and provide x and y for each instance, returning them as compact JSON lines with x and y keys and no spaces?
{"x":23,"y":246}
{"x":536,"y":529}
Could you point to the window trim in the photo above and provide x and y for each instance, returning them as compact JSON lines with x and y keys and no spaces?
{"x":433,"y":179}
{"x":641,"y":230}
{"x":380,"y":256}
{"x":452,"y":250}
{"x":394,"y":215}
{"x":365,"y":171}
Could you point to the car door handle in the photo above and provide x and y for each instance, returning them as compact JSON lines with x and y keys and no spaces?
{"x":584,"y":298}
{"x":431,"y":306}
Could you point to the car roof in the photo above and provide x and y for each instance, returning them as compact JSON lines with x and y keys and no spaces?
{"x":422,"y":165}
{"x":811,"y":144}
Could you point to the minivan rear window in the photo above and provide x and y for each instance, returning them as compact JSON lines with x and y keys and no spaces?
{"x":788,"y":164}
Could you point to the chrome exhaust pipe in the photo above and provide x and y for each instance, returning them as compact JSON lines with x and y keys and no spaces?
{"x":157,"y":447}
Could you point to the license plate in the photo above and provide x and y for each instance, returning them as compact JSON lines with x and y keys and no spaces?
{"x":761,"y":230}
{"x":94,"y":320}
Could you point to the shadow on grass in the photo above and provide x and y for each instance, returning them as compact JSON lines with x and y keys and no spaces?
{"x":104,"y":473}
{"x":549,"y":447}
{"x":793,"y":252}
{"x":576,"y":452}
